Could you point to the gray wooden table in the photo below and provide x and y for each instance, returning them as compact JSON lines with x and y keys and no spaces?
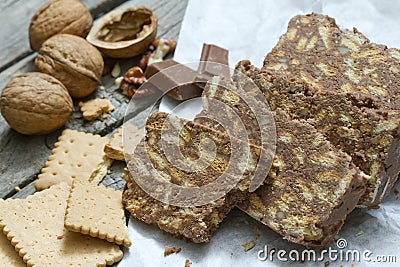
{"x":22,"y":157}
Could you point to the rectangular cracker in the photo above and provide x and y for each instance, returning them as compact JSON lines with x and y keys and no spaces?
{"x":8,"y":256}
{"x":75,"y":155}
{"x":98,"y":212}
{"x":115,"y":147}
{"x":35,"y":226}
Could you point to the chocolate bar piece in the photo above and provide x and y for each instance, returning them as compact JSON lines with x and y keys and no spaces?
{"x":173,"y":78}
{"x":213,"y":62}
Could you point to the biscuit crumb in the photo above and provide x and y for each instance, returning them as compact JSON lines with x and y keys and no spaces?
{"x":360,"y":233}
{"x":170,"y":250}
{"x":188,"y":263}
{"x":95,"y":108}
{"x":17,"y":189}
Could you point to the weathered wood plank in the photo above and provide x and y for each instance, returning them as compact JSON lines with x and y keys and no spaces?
{"x":22,"y":157}
{"x":18,"y":13}
{"x":114,"y":177}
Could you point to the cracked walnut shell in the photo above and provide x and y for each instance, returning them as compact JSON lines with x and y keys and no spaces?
{"x":124,"y":33}
{"x":73,"y":61}
{"x":59,"y":16}
{"x":35,"y":103}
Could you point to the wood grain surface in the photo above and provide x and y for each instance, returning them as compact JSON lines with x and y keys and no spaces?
{"x":22,"y":157}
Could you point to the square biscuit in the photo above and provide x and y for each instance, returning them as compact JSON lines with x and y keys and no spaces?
{"x":35,"y":227}
{"x":98,"y":212}
{"x":115,"y":147}
{"x":75,"y":155}
{"x":8,"y":256}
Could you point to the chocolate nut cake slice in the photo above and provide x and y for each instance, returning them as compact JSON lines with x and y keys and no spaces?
{"x":228,"y":105}
{"x":310,"y":188}
{"x":196,"y":141}
{"x":296,"y":199}
{"x":210,"y":157}
{"x":346,"y":87}
{"x":316,"y":50}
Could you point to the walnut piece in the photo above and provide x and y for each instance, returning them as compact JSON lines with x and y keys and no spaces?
{"x":163,"y":47}
{"x":157,"y":51}
{"x":35,"y":103}
{"x":124,"y":33}
{"x":73,"y":61}
{"x":132,"y":80}
{"x":59,"y":16}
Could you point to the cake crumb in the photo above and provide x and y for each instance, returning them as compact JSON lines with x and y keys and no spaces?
{"x":360,"y":233}
{"x":188,"y":263}
{"x":327,"y":263}
{"x":17,"y":189}
{"x":250,"y":245}
{"x":170,"y":250}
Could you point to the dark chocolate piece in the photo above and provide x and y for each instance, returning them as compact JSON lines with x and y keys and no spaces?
{"x":213,"y":62}
{"x":173,"y":78}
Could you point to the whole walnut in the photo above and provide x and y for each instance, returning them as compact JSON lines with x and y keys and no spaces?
{"x":35,"y":103}
{"x":59,"y":16}
{"x":73,"y":61}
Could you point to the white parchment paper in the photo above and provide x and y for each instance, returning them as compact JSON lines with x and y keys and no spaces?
{"x":249,"y":29}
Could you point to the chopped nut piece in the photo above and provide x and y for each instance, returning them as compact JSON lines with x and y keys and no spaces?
{"x":145,"y":60}
{"x":132,"y":80}
{"x":116,"y":71}
{"x":170,"y":250}
{"x":95,"y":108}
{"x":118,"y":81}
{"x":171,"y":43}
{"x":163,"y":47}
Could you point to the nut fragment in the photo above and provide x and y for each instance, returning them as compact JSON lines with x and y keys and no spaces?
{"x":163,"y":47}
{"x":124,"y":33}
{"x":116,"y":71}
{"x":73,"y":61}
{"x":170,"y":42}
{"x":59,"y":16}
{"x":144,"y":60}
{"x":35,"y":103}
{"x":132,"y":80}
